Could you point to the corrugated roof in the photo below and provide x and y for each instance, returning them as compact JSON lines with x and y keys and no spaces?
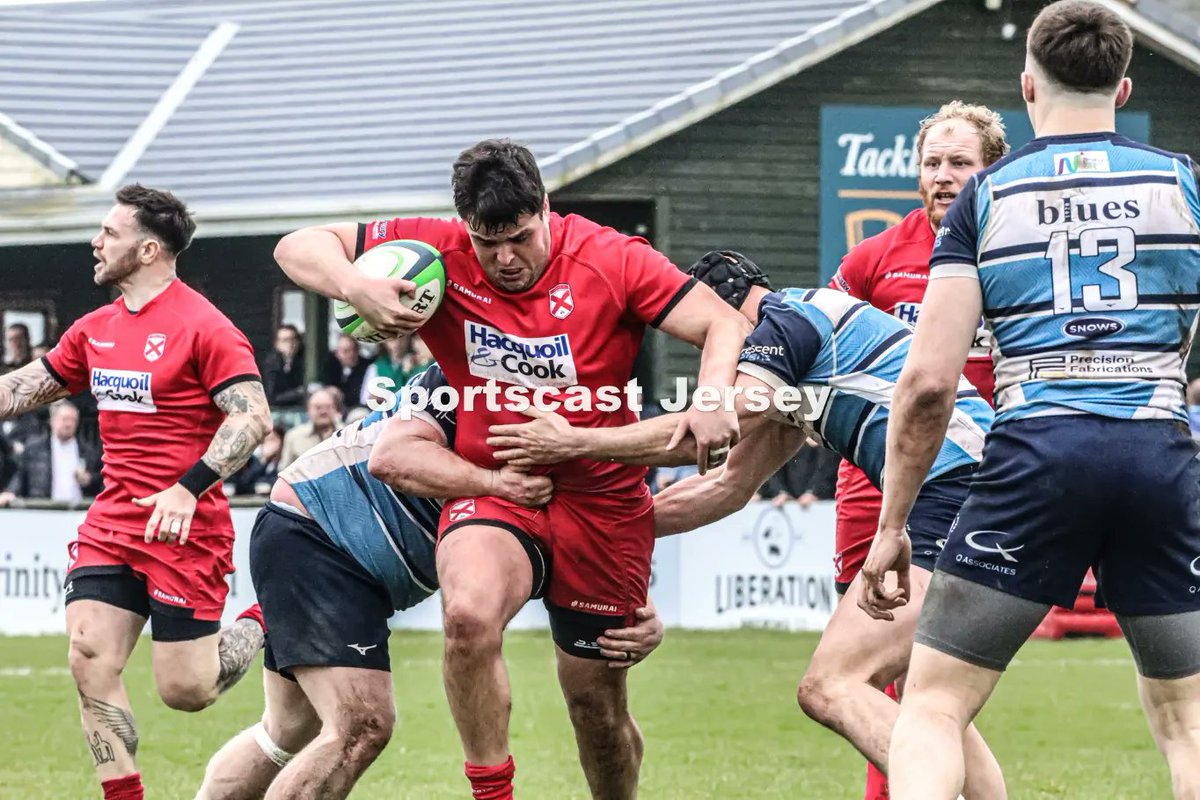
{"x":1171,"y":27}
{"x":83,"y":85}
{"x":1181,"y":16}
{"x":373,"y":99}
{"x":317,"y":107}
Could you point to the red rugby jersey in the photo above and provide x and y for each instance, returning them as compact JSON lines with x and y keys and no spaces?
{"x":891,"y":272}
{"x":154,"y":374}
{"x":579,"y":325}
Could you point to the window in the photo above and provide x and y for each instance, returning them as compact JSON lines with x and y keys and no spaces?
{"x":290,"y":309}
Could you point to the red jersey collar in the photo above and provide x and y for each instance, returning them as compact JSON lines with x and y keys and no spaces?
{"x":170,"y":287}
{"x":557,"y":226}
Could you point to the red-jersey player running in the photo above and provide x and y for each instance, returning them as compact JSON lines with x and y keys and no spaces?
{"x":891,"y":272}
{"x":544,"y":302}
{"x":181,"y":407}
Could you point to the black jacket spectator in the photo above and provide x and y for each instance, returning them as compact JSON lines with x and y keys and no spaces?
{"x":283,"y":369}
{"x":25,"y":428}
{"x":8,"y":462}
{"x":35,"y":469}
{"x":346,"y":370}
{"x":283,"y":381}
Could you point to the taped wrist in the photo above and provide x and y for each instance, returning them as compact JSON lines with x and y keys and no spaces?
{"x":197,"y":479}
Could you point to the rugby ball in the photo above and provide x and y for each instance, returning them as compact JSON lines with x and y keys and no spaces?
{"x":404,"y":258}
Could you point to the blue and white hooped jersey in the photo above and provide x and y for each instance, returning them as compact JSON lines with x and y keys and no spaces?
{"x":391,"y":535}
{"x":845,"y":355}
{"x":1087,"y":250}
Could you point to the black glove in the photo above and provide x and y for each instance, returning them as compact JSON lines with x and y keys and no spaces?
{"x":729,"y":274}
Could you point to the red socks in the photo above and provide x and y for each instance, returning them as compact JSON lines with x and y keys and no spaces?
{"x":127,"y":788}
{"x":877,"y":783}
{"x":493,"y":782}
{"x":254,"y":612}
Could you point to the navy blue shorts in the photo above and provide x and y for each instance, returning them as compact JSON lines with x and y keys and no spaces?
{"x":321,"y":607}
{"x":1057,"y":495}
{"x":933,"y":514}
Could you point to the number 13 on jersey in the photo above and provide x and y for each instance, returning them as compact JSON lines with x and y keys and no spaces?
{"x":1092,"y":242}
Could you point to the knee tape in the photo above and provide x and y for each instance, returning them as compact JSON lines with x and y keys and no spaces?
{"x":278,"y":755}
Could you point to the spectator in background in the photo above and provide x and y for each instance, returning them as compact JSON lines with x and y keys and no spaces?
{"x":665,"y":476}
{"x":324,"y":417}
{"x":16,"y":347}
{"x":347,"y":368}
{"x":811,"y":475}
{"x":391,"y":363}
{"x":259,"y":473}
{"x":58,"y":466}
{"x":25,"y":428}
{"x":40,"y":351}
{"x":283,"y":368}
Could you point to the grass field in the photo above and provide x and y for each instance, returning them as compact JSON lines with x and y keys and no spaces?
{"x":717,"y":710}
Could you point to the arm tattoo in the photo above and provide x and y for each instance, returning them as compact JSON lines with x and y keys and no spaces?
{"x":247,"y":421}
{"x":27,"y":388}
{"x":116,"y":719}
{"x":239,"y":644}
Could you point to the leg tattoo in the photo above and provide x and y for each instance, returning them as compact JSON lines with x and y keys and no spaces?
{"x":116,"y":719}
{"x":102,"y":751}
{"x":240,"y":642}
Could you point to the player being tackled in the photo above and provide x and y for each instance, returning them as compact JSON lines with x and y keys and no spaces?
{"x":542,"y":304}
{"x":332,"y":556}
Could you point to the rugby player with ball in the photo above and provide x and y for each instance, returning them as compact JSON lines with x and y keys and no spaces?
{"x":549,"y":303}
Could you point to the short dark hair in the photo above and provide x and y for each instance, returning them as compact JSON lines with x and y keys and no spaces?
{"x":495,"y":183}
{"x":161,"y":214}
{"x":1081,"y":45}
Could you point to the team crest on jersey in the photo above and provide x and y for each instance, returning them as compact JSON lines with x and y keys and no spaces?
{"x":156,"y":344}
{"x":562,"y":303}
{"x":462,"y":509}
